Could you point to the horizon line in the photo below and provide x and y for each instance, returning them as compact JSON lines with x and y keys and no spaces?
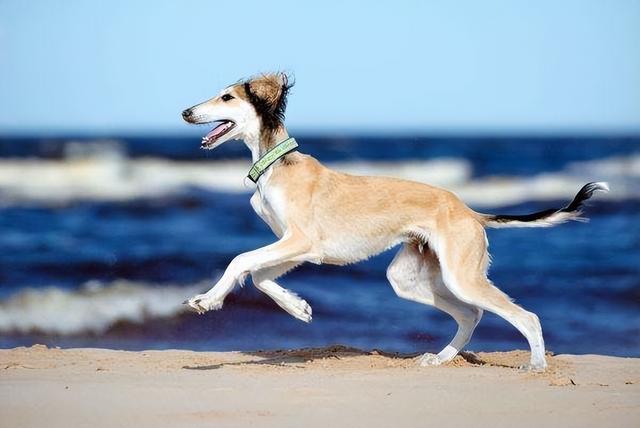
{"x":332,"y":132}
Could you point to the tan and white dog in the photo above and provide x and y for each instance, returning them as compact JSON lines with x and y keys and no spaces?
{"x":324,"y":216}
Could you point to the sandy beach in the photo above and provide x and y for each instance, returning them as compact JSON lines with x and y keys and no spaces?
{"x":334,"y":386}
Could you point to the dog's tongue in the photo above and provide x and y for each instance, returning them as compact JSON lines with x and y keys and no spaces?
{"x":223,"y":126}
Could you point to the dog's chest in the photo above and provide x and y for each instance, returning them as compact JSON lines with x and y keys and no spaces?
{"x":269,"y":204}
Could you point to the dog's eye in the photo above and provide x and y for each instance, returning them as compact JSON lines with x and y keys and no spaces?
{"x":227,"y":97}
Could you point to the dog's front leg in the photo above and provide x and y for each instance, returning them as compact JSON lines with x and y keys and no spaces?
{"x":263,"y":279}
{"x":293,"y":247}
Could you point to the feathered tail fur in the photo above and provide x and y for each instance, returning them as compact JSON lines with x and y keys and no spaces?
{"x":549,"y":217}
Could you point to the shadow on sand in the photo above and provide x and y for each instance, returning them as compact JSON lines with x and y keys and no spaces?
{"x":304,"y":355}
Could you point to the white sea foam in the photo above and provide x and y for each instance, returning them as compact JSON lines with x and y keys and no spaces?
{"x":112,"y":177}
{"x":93,"y":308}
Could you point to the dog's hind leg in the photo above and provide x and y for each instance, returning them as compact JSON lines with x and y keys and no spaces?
{"x":462,"y":251}
{"x":415,"y":275}
{"x":263,"y":279}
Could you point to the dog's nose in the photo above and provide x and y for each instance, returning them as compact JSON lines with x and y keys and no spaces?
{"x":187,"y":114}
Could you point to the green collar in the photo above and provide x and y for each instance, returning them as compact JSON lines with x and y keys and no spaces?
{"x":261,"y":165}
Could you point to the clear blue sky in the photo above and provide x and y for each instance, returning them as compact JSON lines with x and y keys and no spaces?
{"x":431,"y":66}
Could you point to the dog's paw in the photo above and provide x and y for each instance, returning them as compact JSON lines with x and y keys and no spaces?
{"x":428,"y":359}
{"x":302,"y":311}
{"x":538,"y":364}
{"x":203,"y":303}
{"x":534,"y":368}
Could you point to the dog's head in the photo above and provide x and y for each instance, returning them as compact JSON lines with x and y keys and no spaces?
{"x":248,"y":108}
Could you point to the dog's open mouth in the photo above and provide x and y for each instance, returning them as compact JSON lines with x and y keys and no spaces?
{"x":222,"y":127}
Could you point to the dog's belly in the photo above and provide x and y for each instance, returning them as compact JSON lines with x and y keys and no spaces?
{"x":345,"y":249}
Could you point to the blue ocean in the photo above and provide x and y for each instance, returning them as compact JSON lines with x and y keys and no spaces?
{"x":101,"y":239}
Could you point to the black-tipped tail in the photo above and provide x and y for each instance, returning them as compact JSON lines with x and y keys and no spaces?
{"x":549,"y":217}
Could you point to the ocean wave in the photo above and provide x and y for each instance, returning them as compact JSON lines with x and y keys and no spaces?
{"x":93,"y":308}
{"x":121,"y":178}
{"x":115,"y":177}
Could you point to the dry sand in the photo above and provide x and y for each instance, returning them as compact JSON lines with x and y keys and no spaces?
{"x":329,"y":387}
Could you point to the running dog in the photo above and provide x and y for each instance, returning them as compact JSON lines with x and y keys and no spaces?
{"x":324,"y":216}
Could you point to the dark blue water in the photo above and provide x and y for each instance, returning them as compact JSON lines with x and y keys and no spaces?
{"x":582,"y":279}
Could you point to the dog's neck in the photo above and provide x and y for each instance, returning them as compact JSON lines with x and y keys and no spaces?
{"x":261,"y":142}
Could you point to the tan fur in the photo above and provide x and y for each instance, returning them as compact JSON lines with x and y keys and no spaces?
{"x":326,"y":204}
{"x":324,"y":216}
{"x":326,"y":207}
{"x":267,"y":86}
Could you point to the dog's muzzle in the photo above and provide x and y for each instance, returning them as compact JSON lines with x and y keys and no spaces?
{"x":187,"y":114}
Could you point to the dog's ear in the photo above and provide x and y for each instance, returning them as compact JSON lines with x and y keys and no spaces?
{"x":268,"y":94}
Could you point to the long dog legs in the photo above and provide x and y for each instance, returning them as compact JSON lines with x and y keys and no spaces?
{"x":287,"y":300}
{"x":463,"y":257}
{"x":293,"y":247}
{"x":416,"y":276}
